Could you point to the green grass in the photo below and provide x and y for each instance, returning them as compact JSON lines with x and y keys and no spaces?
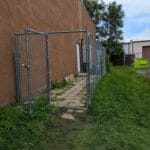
{"x":19,"y":130}
{"x":118,"y":120}
{"x":121,"y":105}
{"x":141,"y":63}
{"x":120,"y":116}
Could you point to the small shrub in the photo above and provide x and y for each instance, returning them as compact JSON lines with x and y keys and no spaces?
{"x":59,"y":84}
{"x":75,"y":75}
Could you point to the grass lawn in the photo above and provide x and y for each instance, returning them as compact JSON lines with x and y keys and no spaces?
{"x":118,"y":120}
{"x":141,"y":63}
{"x":122,"y":106}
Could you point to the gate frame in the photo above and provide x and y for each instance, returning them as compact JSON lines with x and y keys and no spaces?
{"x":29,"y":32}
{"x":26,"y":34}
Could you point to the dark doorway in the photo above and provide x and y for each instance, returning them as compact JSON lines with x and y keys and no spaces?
{"x":146,"y":52}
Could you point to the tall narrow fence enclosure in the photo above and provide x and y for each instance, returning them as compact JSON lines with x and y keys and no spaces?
{"x":45,"y":57}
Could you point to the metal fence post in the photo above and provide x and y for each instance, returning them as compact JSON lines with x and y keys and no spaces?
{"x":87,"y":72}
{"x":17,"y":68}
{"x":89,"y":63}
{"x":88,"y":66}
{"x":104,"y":60}
{"x":101,"y":63}
{"x":28,"y":70}
{"x":47,"y":69}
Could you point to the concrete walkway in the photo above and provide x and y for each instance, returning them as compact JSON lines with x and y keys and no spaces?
{"x":73,"y":97}
{"x":145,"y":72}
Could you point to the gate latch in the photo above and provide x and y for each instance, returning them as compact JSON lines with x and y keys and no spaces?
{"x":25,"y":66}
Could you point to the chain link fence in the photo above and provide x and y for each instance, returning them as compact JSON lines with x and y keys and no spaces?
{"x":97,"y":65}
{"x":40,"y":59}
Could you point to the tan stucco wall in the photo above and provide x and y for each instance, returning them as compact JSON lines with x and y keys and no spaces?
{"x":43,"y":15}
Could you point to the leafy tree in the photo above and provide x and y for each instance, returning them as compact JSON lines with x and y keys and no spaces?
{"x":109,"y":22}
{"x":95,"y":10}
{"x":111,"y":29}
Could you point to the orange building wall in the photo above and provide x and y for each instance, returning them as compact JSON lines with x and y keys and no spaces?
{"x":42,"y":15}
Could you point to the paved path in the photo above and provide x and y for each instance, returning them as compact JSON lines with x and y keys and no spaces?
{"x":72,"y":98}
{"x":143,"y":70}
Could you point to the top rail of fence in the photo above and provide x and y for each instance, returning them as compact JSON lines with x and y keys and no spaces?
{"x":34,"y":32}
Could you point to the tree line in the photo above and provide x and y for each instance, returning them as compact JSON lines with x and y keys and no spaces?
{"x":109,"y":24}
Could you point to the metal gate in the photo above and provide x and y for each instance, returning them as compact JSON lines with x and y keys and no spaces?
{"x":30,"y":46}
{"x":32,"y":57}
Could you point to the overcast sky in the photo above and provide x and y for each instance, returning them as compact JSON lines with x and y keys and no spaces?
{"x":137,"y":19}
